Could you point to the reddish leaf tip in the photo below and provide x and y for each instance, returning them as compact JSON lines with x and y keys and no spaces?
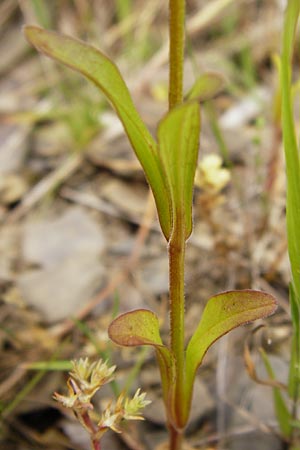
{"x":138,"y":327}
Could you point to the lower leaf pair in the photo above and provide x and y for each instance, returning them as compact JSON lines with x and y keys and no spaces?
{"x":222,"y":313}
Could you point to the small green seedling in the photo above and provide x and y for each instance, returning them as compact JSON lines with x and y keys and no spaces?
{"x":84,"y":381}
{"x":169,"y":163}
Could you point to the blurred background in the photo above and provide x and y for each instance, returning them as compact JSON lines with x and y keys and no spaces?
{"x":79,"y":238}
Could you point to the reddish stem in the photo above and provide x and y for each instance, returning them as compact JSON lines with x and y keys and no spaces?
{"x":92,"y":428}
{"x":96,"y":444}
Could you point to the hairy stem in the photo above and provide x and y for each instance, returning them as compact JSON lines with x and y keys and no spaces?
{"x":176,"y":267}
{"x":176,"y":27}
{"x":177,"y":241}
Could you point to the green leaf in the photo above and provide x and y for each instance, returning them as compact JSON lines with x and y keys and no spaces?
{"x":206,"y":86}
{"x":291,"y":145}
{"x":222,"y":313}
{"x":282,"y":413}
{"x":138,"y":327}
{"x":141,"y":327}
{"x":49,"y":365}
{"x":99,"y":69}
{"x":178,"y":141}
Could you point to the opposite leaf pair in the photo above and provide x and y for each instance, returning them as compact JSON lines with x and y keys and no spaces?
{"x":170,"y":164}
{"x":222,"y":313}
{"x":99,"y":69}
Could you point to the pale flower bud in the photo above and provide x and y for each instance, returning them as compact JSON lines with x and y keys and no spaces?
{"x":210,"y":174}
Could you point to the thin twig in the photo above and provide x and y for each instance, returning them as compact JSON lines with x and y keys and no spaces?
{"x":46,"y":185}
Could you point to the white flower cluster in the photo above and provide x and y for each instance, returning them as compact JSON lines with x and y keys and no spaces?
{"x":85,"y":380}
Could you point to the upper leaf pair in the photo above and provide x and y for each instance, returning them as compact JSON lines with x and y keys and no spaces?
{"x":99,"y":69}
{"x":170,"y":165}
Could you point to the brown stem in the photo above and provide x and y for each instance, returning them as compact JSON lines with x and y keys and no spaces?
{"x":177,"y":241}
{"x":176,"y":268}
{"x":176,"y":439}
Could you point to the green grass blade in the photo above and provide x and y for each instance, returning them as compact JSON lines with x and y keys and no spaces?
{"x":42,"y":12}
{"x":21,"y":395}
{"x":281,"y":409}
{"x":59,"y":366}
{"x":218,"y":133}
{"x":294,"y":375}
{"x":290,"y":145}
{"x":123,"y":7}
{"x":136,"y":369}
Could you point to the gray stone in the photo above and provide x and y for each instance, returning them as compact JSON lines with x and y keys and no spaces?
{"x":67,"y":252}
{"x":50,"y":241}
{"x":13,"y":147}
{"x":58,"y":292}
{"x":254,"y":407}
{"x":153,"y":275}
{"x":9,"y":250}
{"x":254,"y":440}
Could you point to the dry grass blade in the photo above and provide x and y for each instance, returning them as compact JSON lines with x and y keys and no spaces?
{"x":45,"y":186}
{"x":250,"y":366}
{"x":207,"y":15}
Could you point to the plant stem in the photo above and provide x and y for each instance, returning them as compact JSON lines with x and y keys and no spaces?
{"x":175,"y":439}
{"x":177,"y":241}
{"x":91,"y":427}
{"x":96,"y":444}
{"x":176,"y":27}
{"x":176,"y":267}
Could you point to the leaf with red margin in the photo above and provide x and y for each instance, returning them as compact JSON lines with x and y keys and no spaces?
{"x":222,"y":313}
{"x":141,"y":327}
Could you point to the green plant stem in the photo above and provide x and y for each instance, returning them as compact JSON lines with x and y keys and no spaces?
{"x":176,"y":267}
{"x":176,"y":27}
{"x":177,"y":241}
